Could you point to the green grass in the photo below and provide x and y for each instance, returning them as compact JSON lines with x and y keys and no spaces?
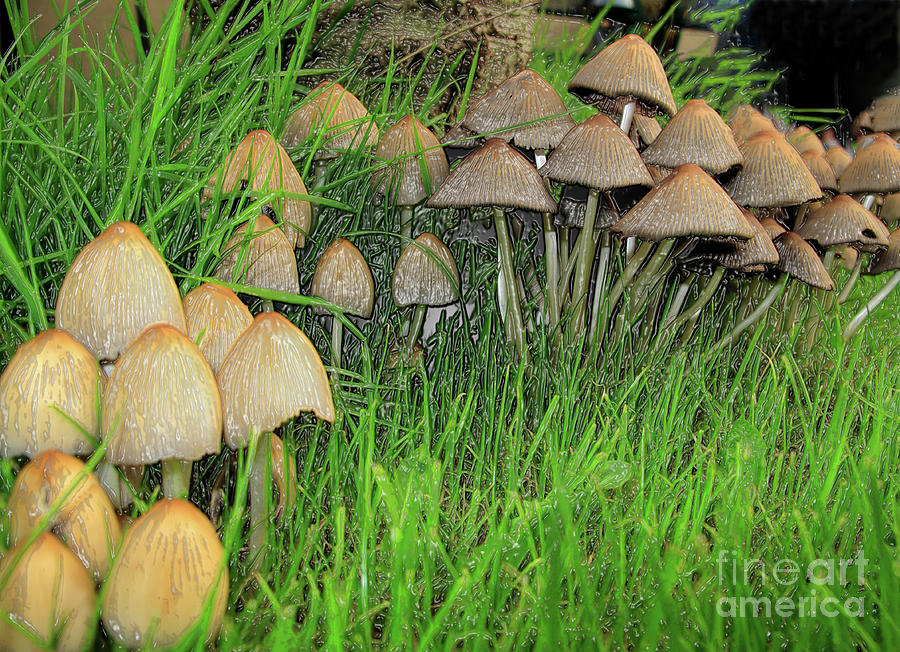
{"x":584,"y":501}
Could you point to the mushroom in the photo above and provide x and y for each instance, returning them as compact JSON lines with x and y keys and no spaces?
{"x":805,"y":141}
{"x":876,"y":169}
{"x":844,"y":221}
{"x":644,"y":128}
{"x":746,"y":122}
{"x":215,"y":319}
{"x":821,"y":170}
{"x":886,"y":113}
{"x":890,"y":210}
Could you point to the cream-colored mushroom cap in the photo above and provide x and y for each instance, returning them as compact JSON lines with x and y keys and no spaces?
{"x":408,"y":149}
{"x":86,"y":520}
{"x":343,"y":277}
{"x":169,"y":568}
{"x":215,"y":319}
{"x":117,"y":285}
{"x":46,"y":591}
{"x":331,"y":108}
{"x":49,"y":394}
{"x":263,"y":258}
{"x":161,"y":402}
{"x":425,"y":273}
{"x":272,"y":373}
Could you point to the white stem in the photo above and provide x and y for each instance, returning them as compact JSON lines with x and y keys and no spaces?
{"x":627,"y":116}
{"x":872,"y":304}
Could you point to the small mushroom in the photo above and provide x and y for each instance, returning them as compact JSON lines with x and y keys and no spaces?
{"x":844,"y":220}
{"x":876,"y":168}
{"x":215,"y":319}
{"x":805,"y":140}
{"x":821,"y":170}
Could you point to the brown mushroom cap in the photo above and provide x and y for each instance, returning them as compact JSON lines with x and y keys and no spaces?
{"x":331,"y":108}
{"x":747,"y":254}
{"x":838,"y":158}
{"x":49,"y":393}
{"x":772,"y":227}
{"x":821,"y":170}
{"x":888,"y":259}
{"x":644,"y":128}
{"x":876,"y":168}
{"x":890,"y":210}
{"x":801,"y":262}
{"x":117,"y":285}
{"x":886,"y":113}
{"x":425,"y":274}
{"x":86,"y":520}
{"x":406,"y":148}
{"x":847,"y":255}
{"x":805,"y":140}
{"x":343,"y":277}
{"x":746,"y":122}
{"x":263,"y":258}
{"x":215,"y":319}
{"x":272,"y":373}
{"x":697,"y":134}
{"x":687,"y":203}
{"x":161,"y":402}
{"x":773,"y":174}
{"x":597,"y":154}
{"x":170,"y":566}
{"x":494,"y":175}
{"x":49,"y":594}
{"x":844,"y":220}
{"x":628,"y":68}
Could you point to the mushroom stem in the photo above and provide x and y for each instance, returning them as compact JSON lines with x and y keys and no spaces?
{"x":515,"y":329}
{"x":337,"y":341}
{"x":415,"y":328}
{"x":176,"y":475}
{"x":680,"y":297}
{"x":757,"y":314}
{"x":851,"y":282}
{"x":406,"y":222}
{"x":268,"y":305}
{"x":870,"y":306}
{"x":584,"y":246}
{"x":648,"y":275}
{"x":259,"y":493}
{"x":627,"y":116}
{"x":551,"y":259}
{"x":628,"y":274}
{"x":600,"y":282}
{"x":706,"y":294}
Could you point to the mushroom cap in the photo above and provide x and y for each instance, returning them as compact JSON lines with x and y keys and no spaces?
{"x":847,"y":255}
{"x":888,"y":259}
{"x":425,"y":274}
{"x":772,"y":227}
{"x":805,"y":140}
{"x":343,"y":277}
{"x":215,"y":319}
{"x":48,"y":593}
{"x":86,"y":519}
{"x":746,"y":254}
{"x":161,"y":401}
{"x":406,"y":148}
{"x":331,"y":108}
{"x":170,"y":564}
{"x":117,"y":285}
{"x":890,"y":210}
{"x":886,"y":113}
{"x":687,"y":203}
{"x":272,"y":373}
{"x":821,"y":170}
{"x":524,"y":110}
{"x":697,"y":134}
{"x":838,"y":158}
{"x":801,"y":262}
{"x":494,"y":175}
{"x":263,"y":258}
{"x":746,"y":122}
{"x":50,"y":382}
{"x":773,"y":174}
{"x":260,"y":160}
{"x":645,"y":128}
{"x":627,"y":68}
{"x":876,"y":168}
{"x":597,"y":154}
{"x":844,"y":220}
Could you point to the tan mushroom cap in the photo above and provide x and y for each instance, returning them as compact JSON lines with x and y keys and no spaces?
{"x":805,"y":140}
{"x":406,"y":148}
{"x":263,"y":258}
{"x":886,"y":113}
{"x":260,"y":160}
{"x":838,"y":158}
{"x":821,"y":170}
{"x":697,"y":134}
{"x":161,"y":402}
{"x":49,"y":393}
{"x":687,"y":203}
{"x":888,"y":259}
{"x":215,"y":319}
{"x":331,"y":108}
{"x":801,"y":262}
{"x":890,"y":210}
{"x":847,"y":255}
{"x":876,"y":168}
{"x":628,"y":68}
{"x":773,"y":174}
{"x":425,"y":274}
{"x":746,"y":122}
{"x":117,"y":285}
{"x":525,"y":110}
{"x":86,"y":519}
{"x":596,"y":153}
{"x":772,"y":227}
{"x":844,"y":220}
{"x":644,"y":128}
{"x":272,"y":373}
{"x":170,"y":566}
{"x":343,"y":277}
{"x":494,"y":175}
{"x":49,"y":594}
{"x":748,"y":254}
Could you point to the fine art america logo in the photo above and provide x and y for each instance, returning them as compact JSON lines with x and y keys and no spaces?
{"x":825,"y":587}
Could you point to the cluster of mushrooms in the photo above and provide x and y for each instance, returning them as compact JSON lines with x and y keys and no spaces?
{"x":133,"y":374}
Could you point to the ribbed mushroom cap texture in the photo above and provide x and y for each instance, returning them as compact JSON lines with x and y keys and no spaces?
{"x":838,"y":158}
{"x":890,"y":210}
{"x":697,"y":134}
{"x":48,"y":593}
{"x":887,"y":260}
{"x":262,"y":259}
{"x":261,"y":161}
{"x":597,"y":154}
{"x":644,"y":127}
{"x":331,"y":108}
{"x":745,"y":254}
{"x":746,"y":122}
{"x":886,"y":113}
{"x":51,"y":381}
{"x":272,"y":374}
{"x":494,"y":175}
{"x":405,"y":147}
{"x":425,"y":274}
{"x":86,"y":519}
{"x":687,"y":203}
{"x":876,"y":168}
{"x":170,"y":565}
{"x":772,"y":227}
{"x":800,"y":261}
{"x":117,"y":285}
{"x":161,"y":402}
{"x":343,"y":277}
{"x":821,"y":170}
{"x":627,"y":68}
{"x":844,"y":220}
{"x":805,"y":140}
{"x":773,"y":174}
{"x":524,"y":110}
{"x":215,"y":319}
